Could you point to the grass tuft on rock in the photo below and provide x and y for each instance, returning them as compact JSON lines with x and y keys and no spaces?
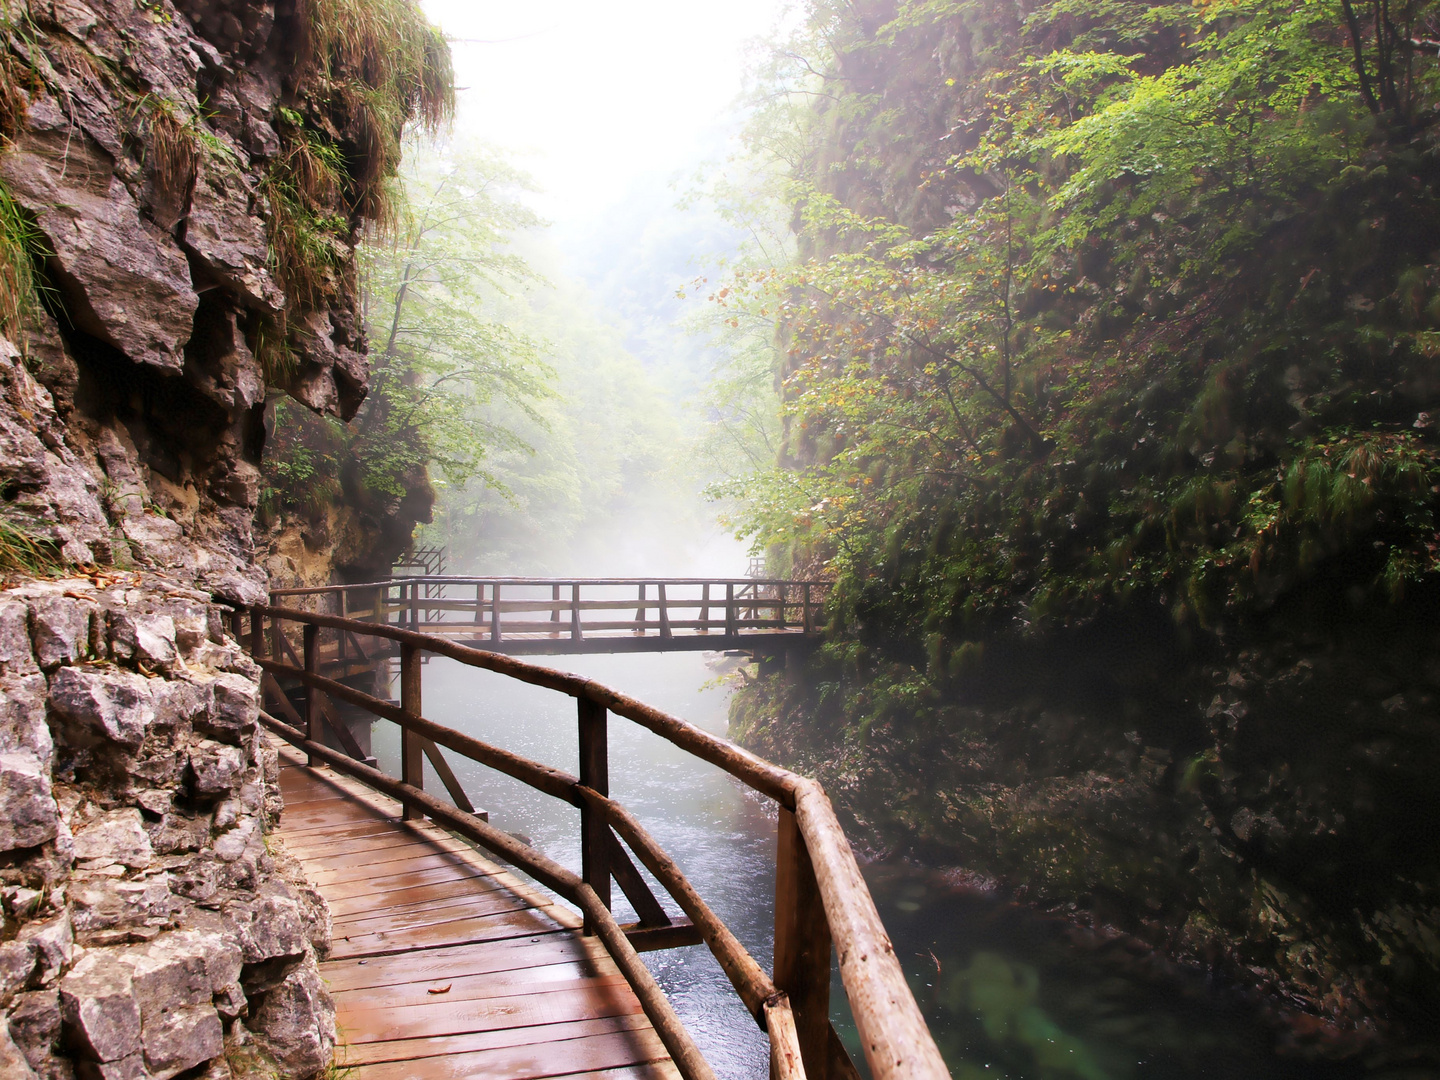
{"x":23,"y":552}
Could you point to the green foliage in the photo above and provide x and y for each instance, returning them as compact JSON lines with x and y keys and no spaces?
{"x":439,"y":358}
{"x":1148,"y":317}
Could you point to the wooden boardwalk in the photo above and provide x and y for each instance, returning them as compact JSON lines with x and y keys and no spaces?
{"x":443,"y":963}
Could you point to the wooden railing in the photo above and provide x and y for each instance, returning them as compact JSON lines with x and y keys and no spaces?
{"x":494,"y":609}
{"x":820,"y":897}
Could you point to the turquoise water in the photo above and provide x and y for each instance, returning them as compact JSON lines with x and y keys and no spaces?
{"x":1008,"y":994}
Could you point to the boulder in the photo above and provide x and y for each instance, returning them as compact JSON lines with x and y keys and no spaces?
{"x":13,"y":1064}
{"x":53,"y":943}
{"x":120,"y":277}
{"x":100,"y":904}
{"x":235,"y":712}
{"x":17,"y":657}
{"x":60,"y":630}
{"x":146,"y":639}
{"x":215,"y":769}
{"x":295,"y":1024}
{"x":17,"y":964}
{"x":22,"y":717}
{"x":224,"y":232}
{"x":35,"y":1027}
{"x":115,"y":837}
{"x":173,"y":985}
{"x":29,"y":817}
{"x":98,"y":1006}
{"x":266,"y":928}
{"x":234,"y":843}
{"x":181,"y":1039}
{"x":97,"y":705}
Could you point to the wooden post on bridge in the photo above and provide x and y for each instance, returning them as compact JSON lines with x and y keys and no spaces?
{"x":314,"y":702}
{"x":705,"y":608}
{"x":802,"y":945}
{"x":412,"y":751}
{"x":257,"y":634}
{"x":807,"y":619}
{"x":576,"y":634}
{"x":730,"y":629}
{"x":555,"y":608}
{"x":340,"y":634}
{"x":640,"y":612}
{"x":594,"y":774}
{"x":664,"y":612}
{"x":495,"y":612}
{"x":479,"y":600}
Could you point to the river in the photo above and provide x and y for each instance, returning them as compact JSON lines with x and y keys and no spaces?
{"x":1009,"y":994}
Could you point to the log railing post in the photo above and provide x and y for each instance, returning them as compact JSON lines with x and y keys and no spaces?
{"x":415,"y":606}
{"x":664,"y":612}
{"x":257,"y":634}
{"x":640,"y":612}
{"x":555,"y":608}
{"x":807,"y":619}
{"x":594,"y":774}
{"x":479,"y":601}
{"x":730,"y":629}
{"x":340,"y":636}
{"x":495,"y":612}
{"x":705,"y":608}
{"x":412,"y":750}
{"x":576,"y":633}
{"x":314,"y":721}
{"x":802,"y":945}
{"x":277,"y":650}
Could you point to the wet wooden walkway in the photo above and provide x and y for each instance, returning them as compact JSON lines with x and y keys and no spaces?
{"x":446,"y":965}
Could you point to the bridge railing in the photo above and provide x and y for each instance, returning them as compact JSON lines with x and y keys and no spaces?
{"x":493,"y":608}
{"x":821,"y":900}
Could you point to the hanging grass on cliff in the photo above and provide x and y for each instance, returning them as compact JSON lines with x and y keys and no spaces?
{"x":366,"y":70}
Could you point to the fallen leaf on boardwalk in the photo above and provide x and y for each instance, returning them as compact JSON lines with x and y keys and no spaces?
{"x":440,"y":989}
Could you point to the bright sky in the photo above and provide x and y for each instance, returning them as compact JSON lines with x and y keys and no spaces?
{"x":595,"y":95}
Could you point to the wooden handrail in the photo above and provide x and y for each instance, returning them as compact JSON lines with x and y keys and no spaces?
{"x":571,"y":886}
{"x":896,"y":1041}
{"x":316,"y":590}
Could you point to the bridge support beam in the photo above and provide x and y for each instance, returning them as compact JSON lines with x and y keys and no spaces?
{"x":412,"y":751}
{"x":595,"y":837}
{"x":802,"y":946}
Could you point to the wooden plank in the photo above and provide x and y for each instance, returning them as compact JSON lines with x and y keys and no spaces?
{"x":418,"y":1049}
{"x":416,"y":909}
{"x":613,"y":1050}
{"x":461,"y":931}
{"x":550,"y":978}
{"x":401,"y":900}
{"x":428,"y":914}
{"x":395,"y":883}
{"x":410,"y":864}
{"x":509,"y":954}
{"x":439,"y":1017}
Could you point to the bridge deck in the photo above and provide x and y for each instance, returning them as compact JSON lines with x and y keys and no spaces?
{"x":444,"y":964}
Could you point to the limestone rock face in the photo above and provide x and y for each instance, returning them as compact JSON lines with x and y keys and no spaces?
{"x":144,"y":926}
{"x":147,"y":923}
{"x":132,"y":401}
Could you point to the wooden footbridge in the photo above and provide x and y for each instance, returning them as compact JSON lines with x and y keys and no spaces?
{"x":521,"y":616}
{"x":445,"y":965}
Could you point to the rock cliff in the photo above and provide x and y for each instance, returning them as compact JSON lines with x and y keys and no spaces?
{"x":182,"y":186}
